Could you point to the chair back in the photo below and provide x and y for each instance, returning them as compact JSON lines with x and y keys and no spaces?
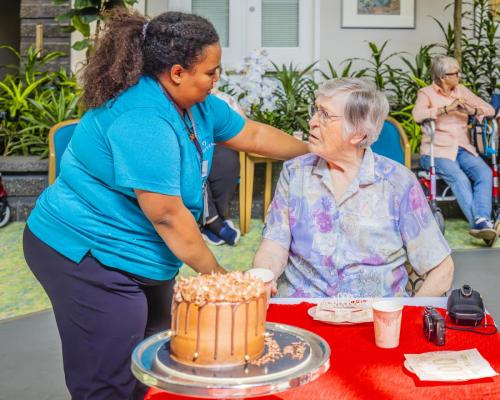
{"x":415,"y":280}
{"x":59,"y":137}
{"x":393,"y":143}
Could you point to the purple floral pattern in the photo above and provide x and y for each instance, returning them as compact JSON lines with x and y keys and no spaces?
{"x":357,"y":244}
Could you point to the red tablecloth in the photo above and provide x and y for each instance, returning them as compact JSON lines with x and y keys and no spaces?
{"x":360,"y":370}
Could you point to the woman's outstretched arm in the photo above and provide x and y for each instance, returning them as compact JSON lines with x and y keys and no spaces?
{"x":267,"y":141}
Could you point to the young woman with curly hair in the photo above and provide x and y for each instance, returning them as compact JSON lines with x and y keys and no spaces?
{"x":107,"y":239}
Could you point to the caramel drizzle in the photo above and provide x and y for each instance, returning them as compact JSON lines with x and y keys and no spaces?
{"x":257,"y":316}
{"x":186,"y":318}
{"x":198,"y":330}
{"x":265,"y":304}
{"x":246,"y":329}
{"x":174,"y":316}
{"x":264,"y":310}
{"x":233,"y":312}
{"x":233,"y":319}
{"x":216,"y":331}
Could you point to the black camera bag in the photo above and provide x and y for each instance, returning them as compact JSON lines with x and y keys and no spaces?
{"x":465,"y":306}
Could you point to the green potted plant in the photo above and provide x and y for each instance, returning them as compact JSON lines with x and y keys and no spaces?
{"x":32,"y":99}
{"x":83,"y":14}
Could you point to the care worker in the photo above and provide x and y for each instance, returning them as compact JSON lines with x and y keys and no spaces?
{"x":107,"y":239}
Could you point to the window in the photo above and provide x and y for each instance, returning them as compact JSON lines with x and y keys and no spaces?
{"x":217,"y":12}
{"x":280,"y":23}
{"x":285,"y":28}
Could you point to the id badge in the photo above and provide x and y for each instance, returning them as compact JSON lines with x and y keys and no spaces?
{"x":205,"y":205}
{"x":204,"y":169}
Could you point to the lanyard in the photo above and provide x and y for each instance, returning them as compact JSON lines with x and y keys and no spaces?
{"x":191,"y":131}
{"x":193,"y":137}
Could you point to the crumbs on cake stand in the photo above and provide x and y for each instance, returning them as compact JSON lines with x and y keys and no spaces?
{"x":294,"y":350}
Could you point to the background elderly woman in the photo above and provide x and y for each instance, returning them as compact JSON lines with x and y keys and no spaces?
{"x":457,"y":161}
{"x":345,"y":220}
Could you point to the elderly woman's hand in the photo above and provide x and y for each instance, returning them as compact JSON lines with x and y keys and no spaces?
{"x":274,"y":288}
{"x":455,"y":106}
{"x":468,"y":109}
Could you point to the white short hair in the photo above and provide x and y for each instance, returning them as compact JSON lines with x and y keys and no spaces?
{"x":440,"y":65}
{"x":365,"y":109}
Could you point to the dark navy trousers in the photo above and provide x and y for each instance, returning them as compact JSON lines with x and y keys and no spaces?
{"x":222,"y":181}
{"x":101,"y":315}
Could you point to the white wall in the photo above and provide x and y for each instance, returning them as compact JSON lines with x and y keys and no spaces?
{"x":337,"y":44}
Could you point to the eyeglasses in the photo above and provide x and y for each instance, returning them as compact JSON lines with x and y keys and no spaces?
{"x":457,"y":74}
{"x":323,"y":116}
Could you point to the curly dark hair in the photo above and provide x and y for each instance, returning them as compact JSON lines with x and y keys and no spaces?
{"x":123,"y":53}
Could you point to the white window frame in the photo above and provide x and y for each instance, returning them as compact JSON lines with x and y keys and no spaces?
{"x":245,"y":32}
{"x":236,"y":51}
{"x":301,"y":55}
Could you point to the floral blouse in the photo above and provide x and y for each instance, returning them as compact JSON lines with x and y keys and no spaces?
{"x":357,"y":244}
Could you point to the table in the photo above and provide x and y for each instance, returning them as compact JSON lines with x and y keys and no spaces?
{"x":360,"y":370}
{"x":247,"y":171}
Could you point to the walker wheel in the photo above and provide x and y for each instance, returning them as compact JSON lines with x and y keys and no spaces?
{"x":5,"y":216}
{"x":438,"y":215}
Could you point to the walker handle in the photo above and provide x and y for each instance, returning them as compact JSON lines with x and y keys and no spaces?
{"x":428,"y":126}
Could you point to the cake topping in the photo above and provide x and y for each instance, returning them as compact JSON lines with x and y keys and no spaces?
{"x":231,"y":287}
{"x":295,"y":351}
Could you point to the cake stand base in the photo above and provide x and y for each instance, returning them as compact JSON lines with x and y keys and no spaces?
{"x":153,"y":366}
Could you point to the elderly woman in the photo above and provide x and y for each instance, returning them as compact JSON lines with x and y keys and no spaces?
{"x":345,"y":220}
{"x":457,"y":161}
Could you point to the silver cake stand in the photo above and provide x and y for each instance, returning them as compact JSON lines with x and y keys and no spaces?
{"x":153,"y":366}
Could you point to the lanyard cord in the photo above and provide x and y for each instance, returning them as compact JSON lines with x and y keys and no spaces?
{"x":191,"y":131}
{"x":194,"y":139}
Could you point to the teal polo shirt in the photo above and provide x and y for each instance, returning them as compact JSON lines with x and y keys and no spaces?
{"x":135,"y":141}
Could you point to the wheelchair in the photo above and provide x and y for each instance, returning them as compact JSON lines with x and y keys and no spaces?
{"x":428,"y":179}
{"x":484,"y":137}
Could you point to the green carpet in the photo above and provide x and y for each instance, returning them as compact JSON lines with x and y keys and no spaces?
{"x":21,"y":294}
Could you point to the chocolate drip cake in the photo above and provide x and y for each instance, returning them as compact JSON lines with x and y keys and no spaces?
{"x":218,"y":320}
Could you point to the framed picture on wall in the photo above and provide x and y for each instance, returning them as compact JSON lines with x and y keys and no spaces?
{"x":495,"y":9}
{"x":395,"y":14}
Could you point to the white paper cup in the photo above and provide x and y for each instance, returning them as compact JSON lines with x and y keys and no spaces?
{"x":387,"y":323}
{"x":266,"y":276}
